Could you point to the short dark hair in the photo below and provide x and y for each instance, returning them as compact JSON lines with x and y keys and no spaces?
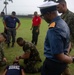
{"x":13,"y":13}
{"x":16,"y":62}
{"x":2,"y":13}
{"x":19,"y":39}
{"x":4,"y":35}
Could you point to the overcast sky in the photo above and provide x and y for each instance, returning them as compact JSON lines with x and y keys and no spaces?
{"x":28,"y":6}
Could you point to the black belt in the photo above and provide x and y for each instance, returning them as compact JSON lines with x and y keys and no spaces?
{"x":11,"y":27}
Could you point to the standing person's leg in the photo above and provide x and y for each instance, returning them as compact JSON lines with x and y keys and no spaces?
{"x":8,"y":37}
{"x":36,"y":37}
{"x":5,"y":30}
{"x":52,"y":68}
{"x":33,"y":35}
{"x":13,"y":37}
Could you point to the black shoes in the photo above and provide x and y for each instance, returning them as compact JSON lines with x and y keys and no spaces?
{"x":12,"y":45}
{"x":35,"y":43}
{"x":8,"y":45}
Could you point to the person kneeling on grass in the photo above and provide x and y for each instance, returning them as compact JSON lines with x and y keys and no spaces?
{"x":3,"y":60}
{"x":14,"y":69}
{"x":30,"y":56}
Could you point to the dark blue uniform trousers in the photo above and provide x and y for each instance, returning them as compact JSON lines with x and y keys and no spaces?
{"x":52,"y":68}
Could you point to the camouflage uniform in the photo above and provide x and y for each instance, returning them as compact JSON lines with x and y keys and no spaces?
{"x":1,"y":52}
{"x":34,"y":57}
{"x":68,"y":17}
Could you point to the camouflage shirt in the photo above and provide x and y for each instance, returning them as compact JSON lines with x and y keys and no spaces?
{"x":1,"y":52}
{"x":68,"y":17}
{"x":34,"y":54}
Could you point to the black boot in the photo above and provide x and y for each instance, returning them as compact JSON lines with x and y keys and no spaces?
{"x":12,"y":44}
{"x":8,"y":45}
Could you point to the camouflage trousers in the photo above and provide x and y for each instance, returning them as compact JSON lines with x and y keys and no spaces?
{"x":11,"y":32}
{"x":30,"y":66}
{"x":1,"y":56}
{"x":2,"y":63}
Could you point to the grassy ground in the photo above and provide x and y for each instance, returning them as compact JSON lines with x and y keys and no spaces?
{"x":25,"y":32}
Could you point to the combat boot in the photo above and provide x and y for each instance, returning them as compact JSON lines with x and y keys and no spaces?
{"x":8,"y":45}
{"x":12,"y":44}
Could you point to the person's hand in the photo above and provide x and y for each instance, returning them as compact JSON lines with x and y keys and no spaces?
{"x":17,"y":58}
{"x":16,"y":28}
{"x":6,"y":27}
{"x":30,"y":28}
{"x":4,"y":59}
{"x":37,"y":30}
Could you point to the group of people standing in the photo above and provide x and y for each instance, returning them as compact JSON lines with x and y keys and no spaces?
{"x":58,"y":41}
{"x":10,"y":27}
{"x":31,"y":55}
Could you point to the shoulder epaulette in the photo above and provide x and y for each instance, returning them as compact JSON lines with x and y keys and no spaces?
{"x":52,"y":25}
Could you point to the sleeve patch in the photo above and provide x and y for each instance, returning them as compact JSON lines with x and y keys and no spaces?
{"x":52,"y":25}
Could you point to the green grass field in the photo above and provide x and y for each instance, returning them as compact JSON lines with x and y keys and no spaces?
{"x":25,"y":32}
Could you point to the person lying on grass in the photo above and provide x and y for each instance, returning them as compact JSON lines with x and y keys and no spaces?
{"x":14,"y":69}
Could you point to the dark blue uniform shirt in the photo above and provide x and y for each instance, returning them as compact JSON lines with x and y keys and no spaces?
{"x":4,"y":17}
{"x":11,"y":21}
{"x":14,"y":70}
{"x":57,"y":39}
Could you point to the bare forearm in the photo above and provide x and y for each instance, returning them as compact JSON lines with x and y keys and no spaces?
{"x":64,"y":58}
{"x":24,"y":56}
{"x":18,"y":25}
{"x":4,"y":72}
{"x":23,"y":73}
{"x":4,"y":24}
